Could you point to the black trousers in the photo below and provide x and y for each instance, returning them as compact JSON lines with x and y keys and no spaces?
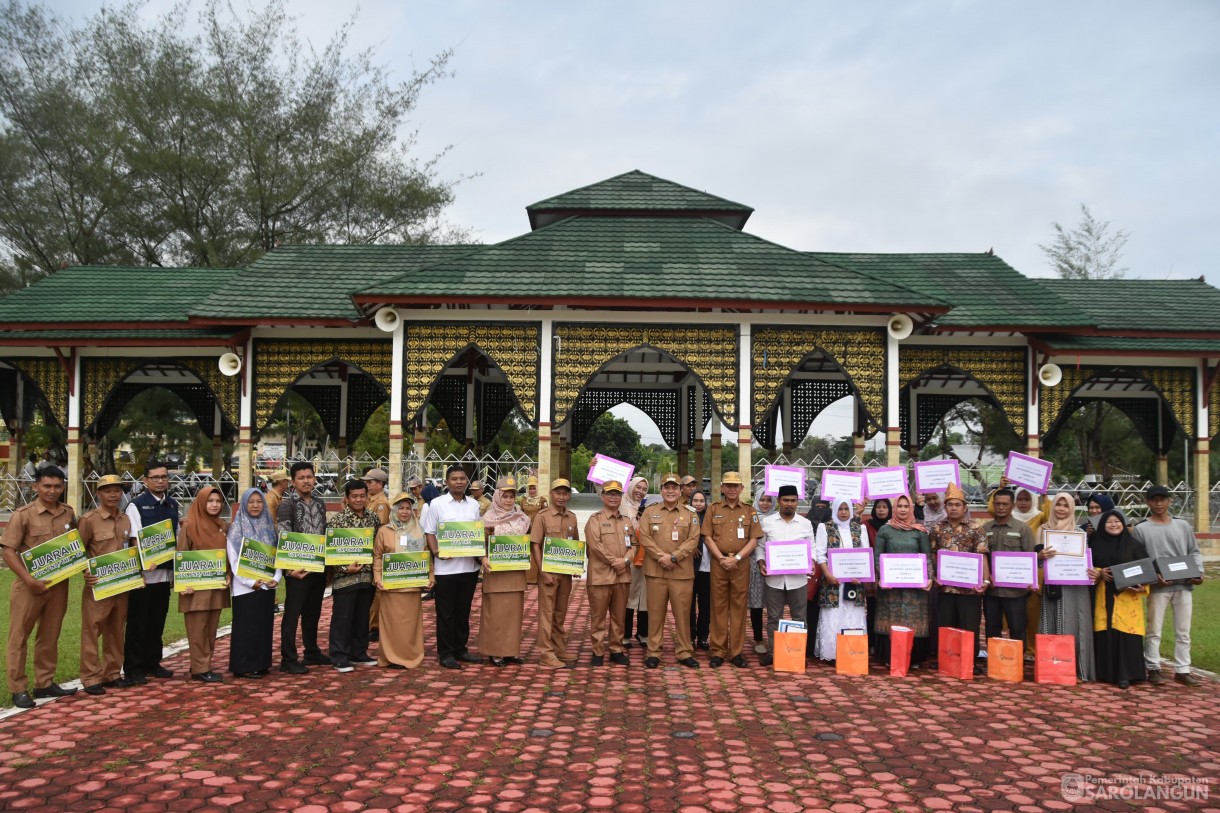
{"x":997,"y":609}
{"x":959,"y":610}
{"x":250,"y":645}
{"x":453,"y":594}
{"x":701,"y":607}
{"x":303,"y":603}
{"x":349,"y":623}
{"x":146,"y":611}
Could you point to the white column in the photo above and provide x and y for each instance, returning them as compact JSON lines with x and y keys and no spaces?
{"x":397,"y":357}
{"x":76,"y":491}
{"x":545,"y":385}
{"x":745,"y":409}
{"x":1202,"y":450}
{"x":217,"y":444}
{"x":245,"y":468}
{"x":1033,"y":420}
{"x":893,"y":432}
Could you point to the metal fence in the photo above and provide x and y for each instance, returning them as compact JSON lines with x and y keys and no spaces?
{"x":482,"y":467}
{"x":16,"y":492}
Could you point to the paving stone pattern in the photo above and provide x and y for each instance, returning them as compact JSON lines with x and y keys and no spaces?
{"x":628,"y":739}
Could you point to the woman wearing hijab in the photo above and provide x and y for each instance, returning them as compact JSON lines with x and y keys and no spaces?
{"x":1118,"y":615}
{"x":929,"y":509}
{"x":637,"y":600}
{"x":1098,"y":504}
{"x":401,"y":644}
{"x":701,"y":605}
{"x":880,"y":514}
{"x":250,"y":644}
{"x":203,"y":529}
{"x":764,"y":504}
{"x":837,"y":611}
{"x":902,"y":607}
{"x":503,"y":607}
{"x":1066,"y":609}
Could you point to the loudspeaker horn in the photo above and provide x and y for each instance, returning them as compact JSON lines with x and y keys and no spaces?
{"x":386,"y":319}
{"x":900,"y":326}
{"x":229,"y":364}
{"x":1050,"y":374}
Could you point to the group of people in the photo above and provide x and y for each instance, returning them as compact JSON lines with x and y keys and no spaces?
{"x":701,"y":562}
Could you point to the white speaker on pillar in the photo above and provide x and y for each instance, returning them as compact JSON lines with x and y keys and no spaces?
{"x":386,"y":319}
{"x":229,"y":364}
{"x":900,"y":326}
{"x":1050,"y":374}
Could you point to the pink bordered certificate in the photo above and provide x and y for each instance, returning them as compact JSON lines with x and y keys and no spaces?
{"x":904,"y":570}
{"x":789,"y":557}
{"x":959,"y":569}
{"x":851,"y":564}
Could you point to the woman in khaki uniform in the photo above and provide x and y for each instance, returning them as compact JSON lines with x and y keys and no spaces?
{"x":401,"y":645}
{"x":203,"y":529}
{"x":503,"y":609}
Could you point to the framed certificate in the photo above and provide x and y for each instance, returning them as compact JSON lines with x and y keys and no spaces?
{"x":1014,"y":568}
{"x":851,"y":564}
{"x":959,"y":569}
{"x":904,"y":570}
{"x":1065,"y":543}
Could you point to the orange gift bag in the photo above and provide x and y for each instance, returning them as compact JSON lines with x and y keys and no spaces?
{"x":1005,"y":659}
{"x":902,"y":640}
{"x":1055,"y":659}
{"x":790,"y":651}
{"x":956,"y":654}
{"x":851,"y":655}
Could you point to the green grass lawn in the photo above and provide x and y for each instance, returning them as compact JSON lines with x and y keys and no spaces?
{"x":69,"y":636}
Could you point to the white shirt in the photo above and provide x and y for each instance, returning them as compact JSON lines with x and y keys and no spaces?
{"x":446,"y":509}
{"x":777,"y":529}
{"x":241,"y":586}
{"x":156,"y":575}
{"x":823,"y":542}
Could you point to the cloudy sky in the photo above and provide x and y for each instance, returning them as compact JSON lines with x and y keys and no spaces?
{"x":882,"y":126}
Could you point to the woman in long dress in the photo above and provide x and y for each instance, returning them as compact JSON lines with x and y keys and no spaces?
{"x":250,"y":645}
{"x":837,"y":612}
{"x":503,"y":607}
{"x":203,"y":529}
{"x":764,"y":504}
{"x":637,"y":599}
{"x":401,"y":643}
{"x":1118,"y":615}
{"x":1066,"y":609}
{"x":902,"y":607}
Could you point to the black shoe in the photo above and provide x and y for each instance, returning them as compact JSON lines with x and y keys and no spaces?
{"x":739,"y":661}
{"x":620,"y":658}
{"x":704,"y":645}
{"x":979,"y":669}
{"x":122,"y":683}
{"x":394,"y":666}
{"x":136,"y":678}
{"x":293,"y":668}
{"x":450,"y":662}
{"x":162,"y":673}
{"x":466,"y":657}
{"x":689,"y":663}
{"x":652,"y":663}
{"x":262,"y":672}
{"x":344,"y":666}
{"x":766,"y":660}
{"x":95,"y":689}
{"x":22,"y":700}
{"x":427,"y":596}
{"x":1122,"y":684}
{"x":248,"y":675}
{"x":598,"y":660}
{"x":374,"y":636}
{"x":497,"y":662}
{"x":515,"y":659}
{"x":54,"y":690}
{"x":364,"y":660}
{"x":316,"y":660}
{"x":716,"y":662}
{"x":208,"y":677}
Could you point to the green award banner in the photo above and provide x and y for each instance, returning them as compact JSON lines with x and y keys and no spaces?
{"x":349,"y":546}
{"x":405,"y":569}
{"x":301,"y":552}
{"x":156,"y":544}
{"x":509,"y":553}
{"x":199,"y":570}
{"x":566,"y":556}
{"x":457,"y":539}
{"x":116,"y":573}
{"x":56,"y":559}
{"x":257,"y":561}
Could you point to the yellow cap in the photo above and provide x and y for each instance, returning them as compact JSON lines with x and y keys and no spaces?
{"x":531,"y":481}
{"x":509,"y":482}
{"x":406,"y":495}
{"x":671,"y":478}
{"x":731,"y":478}
{"x":277,"y":476}
{"x":109,"y":480}
{"x":613,"y":486}
{"x":559,"y":482}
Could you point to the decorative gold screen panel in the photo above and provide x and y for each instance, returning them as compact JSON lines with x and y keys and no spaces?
{"x":99,"y":377}
{"x":1176,"y":386}
{"x":48,"y":375}
{"x":278,"y":364}
{"x":1002,"y":370}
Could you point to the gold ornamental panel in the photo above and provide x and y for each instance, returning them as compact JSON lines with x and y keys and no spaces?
{"x":278,"y":364}
{"x":1213,"y":412}
{"x":226,"y":388}
{"x":709,"y":352}
{"x":48,"y":375}
{"x":860,"y":353}
{"x":1001,"y":371}
{"x":1052,"y":399}
{"x":99,"y":377}
{"x":431,"y":347}
{"x":1176,"y":386}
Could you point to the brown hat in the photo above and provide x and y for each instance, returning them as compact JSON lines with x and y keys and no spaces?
{"x":952,"y":492}
{"x":406,"y":495}
{"x":559,"y":482}
{"x":109,"y":480}
{"x":506,"y":483}
{"x":376,"y":474}
{"x":531,"y":480}
{"x":687,"y":480}
{"x":277,"y":476}
{"x":671,"y":478}
{"x":612,"y":486}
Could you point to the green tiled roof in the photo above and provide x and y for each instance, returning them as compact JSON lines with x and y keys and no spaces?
{"x":86,"y":293}
{"x":1130,"y":344}
{"x":1187,"y":305}
{"x":316,"y":281}
{"x":645,"y":257}
{"x":983,"y":289}
{"x":638,"y":191}
{"x":151,"y":335}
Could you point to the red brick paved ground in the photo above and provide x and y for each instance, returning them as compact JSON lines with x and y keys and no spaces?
{"x":610,"y":738}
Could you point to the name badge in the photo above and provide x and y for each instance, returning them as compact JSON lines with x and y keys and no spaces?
{"x":627,"y":539}
{"x":741,"y":533}
{"x":674,"y":536}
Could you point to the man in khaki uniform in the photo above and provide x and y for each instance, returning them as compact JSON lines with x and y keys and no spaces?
{"x":103,"y":530}
{"x":379,"y":504}
{"x":279,"y":482}
{"x":669,"y":534}
{"x":688,"y":489}
{"x":554,"y":589}
{"x":731,"y":529}
{"x":31,"y":602}
{"x":608,"y":535}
